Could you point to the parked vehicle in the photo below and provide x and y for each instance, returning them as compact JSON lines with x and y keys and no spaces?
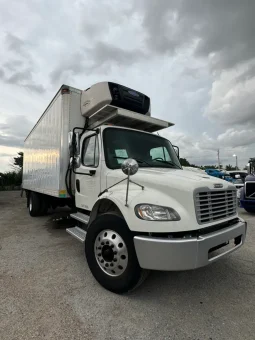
{"x":238,"y":178}
{"x":247,"y":193}
{"x":219,"y":174}
{"x":84,"y":152}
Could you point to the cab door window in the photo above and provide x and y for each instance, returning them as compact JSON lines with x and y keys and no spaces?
{"x":90,"y":154}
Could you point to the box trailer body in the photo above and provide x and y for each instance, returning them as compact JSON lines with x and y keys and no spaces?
{"x":83,"y":151}
{"x":46,"y":153}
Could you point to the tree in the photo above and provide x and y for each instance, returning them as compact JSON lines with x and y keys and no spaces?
{"x":13,"y":178}
{"x":209,"y":167}
{"x":230,"y":167}
{"x":18,"y":161}
{"x":184,"y":162}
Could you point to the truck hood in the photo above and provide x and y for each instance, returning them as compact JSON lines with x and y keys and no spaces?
{"x":170,"y":178}
{"x":173,"y":188}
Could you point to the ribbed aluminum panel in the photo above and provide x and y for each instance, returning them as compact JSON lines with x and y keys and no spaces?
{"x":215,"y":205}
{"x":46,"y":153}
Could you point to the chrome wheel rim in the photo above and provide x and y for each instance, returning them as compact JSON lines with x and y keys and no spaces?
{"x":111,"y":252}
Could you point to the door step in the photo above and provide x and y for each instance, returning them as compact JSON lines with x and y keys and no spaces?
{"x":83,"y":218}
{"x":78,"y":233}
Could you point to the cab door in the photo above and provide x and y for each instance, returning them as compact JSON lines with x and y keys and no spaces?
{"x":87,"y":177}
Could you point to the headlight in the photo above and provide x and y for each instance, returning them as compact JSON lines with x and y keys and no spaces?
{"x":151,"y":212}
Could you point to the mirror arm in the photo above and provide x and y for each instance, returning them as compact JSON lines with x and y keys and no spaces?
{"x":128,"y":179}
{"x":105,"y":190}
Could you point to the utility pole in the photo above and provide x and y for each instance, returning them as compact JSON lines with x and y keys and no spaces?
{"x":218,"y":152}
{"x":236,"y":161}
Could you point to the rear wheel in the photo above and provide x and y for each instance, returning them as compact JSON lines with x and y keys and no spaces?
{"x":44,"y":206}
{"x":111,"y":256}
{"x":34,"y":204}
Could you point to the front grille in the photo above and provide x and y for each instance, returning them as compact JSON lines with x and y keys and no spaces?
{"x":215,"y":205}
{"x":250,"y":190}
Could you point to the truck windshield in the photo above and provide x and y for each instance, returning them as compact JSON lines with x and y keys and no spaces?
{"x":147,"y":149}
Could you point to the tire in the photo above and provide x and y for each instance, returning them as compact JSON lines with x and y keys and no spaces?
{"x":34,"y":205}
{"x":250,"y":210}
{"x":44,"y":206}
{"x":114,"y":265}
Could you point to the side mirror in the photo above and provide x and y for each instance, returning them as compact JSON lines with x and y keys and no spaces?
{"x":70,"y":142}
{"x":77,"y":162}
{"x":129,"y":166}
{"x":176,"y":149}
{"x":74,"y":143}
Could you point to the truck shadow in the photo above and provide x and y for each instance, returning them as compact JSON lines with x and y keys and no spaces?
{"x":220,"y":280}
{"x":58,"y":220}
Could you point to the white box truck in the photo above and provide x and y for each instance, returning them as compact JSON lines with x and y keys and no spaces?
{"x":136,"y":209}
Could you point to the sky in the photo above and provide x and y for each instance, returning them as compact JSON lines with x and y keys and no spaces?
{"x":194,"y":59}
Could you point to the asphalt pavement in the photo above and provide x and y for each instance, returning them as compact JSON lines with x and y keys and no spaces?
{"x":48,"y":292}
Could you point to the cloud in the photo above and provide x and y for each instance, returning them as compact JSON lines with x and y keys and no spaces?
{"x":221,"y":29}
{"x":105,"y":53}
{"x":67,"y":68}
{"x":236,"y":138}
{"x":12,"y":141}
{"x":97,"y":58}
{"x":12,"y":65}
{"x":2,"y":74}
{"x":195,"y":59}
{"x":19,"y":77}
{"x":6,"y":157}
{"x":203,"y":150}
{"x":14,"y":130}
{"x":16,"y":45}
{"x":19,"y":68}
{"x":232,"y":97}
{"x":220,"y":32}
{"x":3,"y":154}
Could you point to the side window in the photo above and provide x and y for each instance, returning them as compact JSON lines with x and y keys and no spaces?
{"x":161,"y":153}
{"x":90,"y":154}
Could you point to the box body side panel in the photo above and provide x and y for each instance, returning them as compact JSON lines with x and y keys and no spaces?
{"x":43,"y":156}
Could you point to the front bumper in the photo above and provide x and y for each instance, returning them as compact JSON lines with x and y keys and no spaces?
{"x":183,"y":254}
{"x":247,"y":203}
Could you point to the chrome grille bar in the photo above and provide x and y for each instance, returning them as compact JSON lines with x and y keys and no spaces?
{"x":215,"y":205}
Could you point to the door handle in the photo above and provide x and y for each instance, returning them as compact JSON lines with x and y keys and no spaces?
{"x":92,"y":172}
{"x":78,"y":185}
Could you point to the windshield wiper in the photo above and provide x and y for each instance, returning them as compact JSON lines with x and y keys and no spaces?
{"x":167,"y":162}
{"x":138,"y":160}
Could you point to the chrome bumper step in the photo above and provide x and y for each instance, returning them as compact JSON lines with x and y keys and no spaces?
{"x":78,"y":233}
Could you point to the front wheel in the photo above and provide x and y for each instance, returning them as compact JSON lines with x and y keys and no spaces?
{"x":111,"y":256}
